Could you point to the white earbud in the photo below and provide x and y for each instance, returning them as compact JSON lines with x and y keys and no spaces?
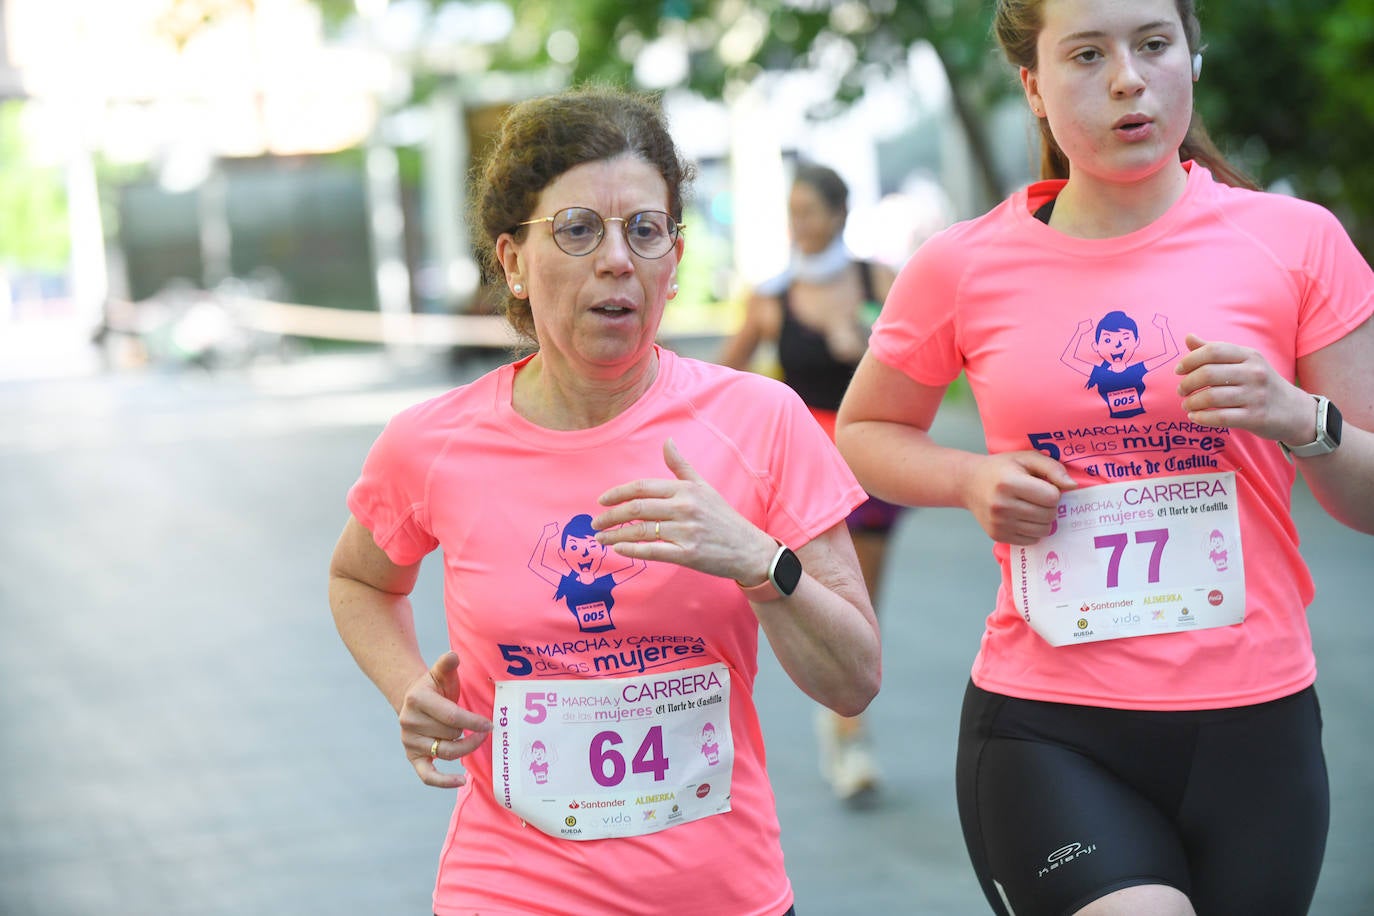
{"x":1197,"y":66}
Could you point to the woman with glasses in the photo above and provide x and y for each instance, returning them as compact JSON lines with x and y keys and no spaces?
{"x":816,"y":315}
{"x":1156,"y":349}
{"x":617,"y":524}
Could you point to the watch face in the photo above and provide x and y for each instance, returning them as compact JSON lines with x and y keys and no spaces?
{"x":787,"y":572}
{"x":1333,"y":424}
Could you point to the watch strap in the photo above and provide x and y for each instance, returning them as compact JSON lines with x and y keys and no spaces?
{"x":767,"y":590}
{"x":1324,"y":443}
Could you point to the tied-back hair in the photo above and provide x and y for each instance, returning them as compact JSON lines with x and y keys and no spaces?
{"x":1017,"y":24}
{"x":826,"y":182}
{"x":540,"y":139}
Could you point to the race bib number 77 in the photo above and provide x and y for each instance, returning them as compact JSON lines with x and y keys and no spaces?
{"x":1159,"y":555}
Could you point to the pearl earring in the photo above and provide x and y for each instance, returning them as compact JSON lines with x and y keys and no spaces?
{"x":672,"y":291}
{"x":518,"y":289}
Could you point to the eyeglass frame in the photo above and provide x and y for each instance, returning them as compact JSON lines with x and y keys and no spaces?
{"x":675,"y":233}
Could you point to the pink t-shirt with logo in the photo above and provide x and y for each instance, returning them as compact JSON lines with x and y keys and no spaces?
{"x":529,"y":594}
{"x":1069,"y":346}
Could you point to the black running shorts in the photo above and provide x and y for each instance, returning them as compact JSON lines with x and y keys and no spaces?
{"x":1063,"y":804}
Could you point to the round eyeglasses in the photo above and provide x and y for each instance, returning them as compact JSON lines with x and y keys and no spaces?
{"x":578,"y":231}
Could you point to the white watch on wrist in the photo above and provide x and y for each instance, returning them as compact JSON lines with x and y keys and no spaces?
{"x":784,"y":575}
{"x":1328,"y":432}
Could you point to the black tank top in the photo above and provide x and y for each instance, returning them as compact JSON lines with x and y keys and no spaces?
{"x":807,"y":364}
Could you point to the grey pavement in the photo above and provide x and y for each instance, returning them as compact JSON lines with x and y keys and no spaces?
{"x":182,"y":731}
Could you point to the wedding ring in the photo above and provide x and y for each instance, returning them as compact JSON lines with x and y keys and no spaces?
{"x":434,"y":748}
{"x":657,"y":535}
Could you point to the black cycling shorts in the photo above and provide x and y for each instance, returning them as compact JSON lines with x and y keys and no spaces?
{"x":1063,"y":804}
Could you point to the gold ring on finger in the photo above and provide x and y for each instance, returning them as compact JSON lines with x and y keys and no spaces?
{"x":658,"y":536}
{"x":434,"y":748}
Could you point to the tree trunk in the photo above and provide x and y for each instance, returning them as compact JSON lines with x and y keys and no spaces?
{"x":976,"y":134}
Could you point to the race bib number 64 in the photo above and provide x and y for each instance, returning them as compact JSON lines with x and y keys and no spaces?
{"x":1159,"y":555}
{"x":615,"y":757}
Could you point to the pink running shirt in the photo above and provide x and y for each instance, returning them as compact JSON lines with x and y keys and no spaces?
{"x":464,"y":472}
{"x":1031,"y":316}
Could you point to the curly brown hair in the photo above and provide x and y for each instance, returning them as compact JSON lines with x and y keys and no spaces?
{"x":542,"y":138}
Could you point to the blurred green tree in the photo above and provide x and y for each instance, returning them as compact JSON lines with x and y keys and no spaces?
{"x":1287,"y":88}
{"x":33,"y":203}
{"x":728,"y":42}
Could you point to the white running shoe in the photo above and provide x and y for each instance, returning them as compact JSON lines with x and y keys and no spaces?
{"x":846,"y":762}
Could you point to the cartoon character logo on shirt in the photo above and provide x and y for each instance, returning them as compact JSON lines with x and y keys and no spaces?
{"x":538,"y":757}
{"x":1217,"y":551}
{"x":710,"y":748}
{"x":576,"y":568}
{"x":1115,"y":372}
{"x":1054,"y":576}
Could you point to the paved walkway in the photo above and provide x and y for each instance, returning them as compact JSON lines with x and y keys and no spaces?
{"x":185,"y":735}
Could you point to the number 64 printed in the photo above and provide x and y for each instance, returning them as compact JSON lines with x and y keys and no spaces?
{"x":608,"y":765}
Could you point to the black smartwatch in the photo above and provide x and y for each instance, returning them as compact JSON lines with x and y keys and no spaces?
{"x":784,"y":575}
{"x":1328,"y":432}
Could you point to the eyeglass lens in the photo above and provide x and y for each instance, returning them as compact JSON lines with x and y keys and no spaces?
{"x":650,"y":233}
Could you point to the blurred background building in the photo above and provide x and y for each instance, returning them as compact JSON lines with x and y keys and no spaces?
{"x":177,"y":172}
{"x":315,"y":154}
